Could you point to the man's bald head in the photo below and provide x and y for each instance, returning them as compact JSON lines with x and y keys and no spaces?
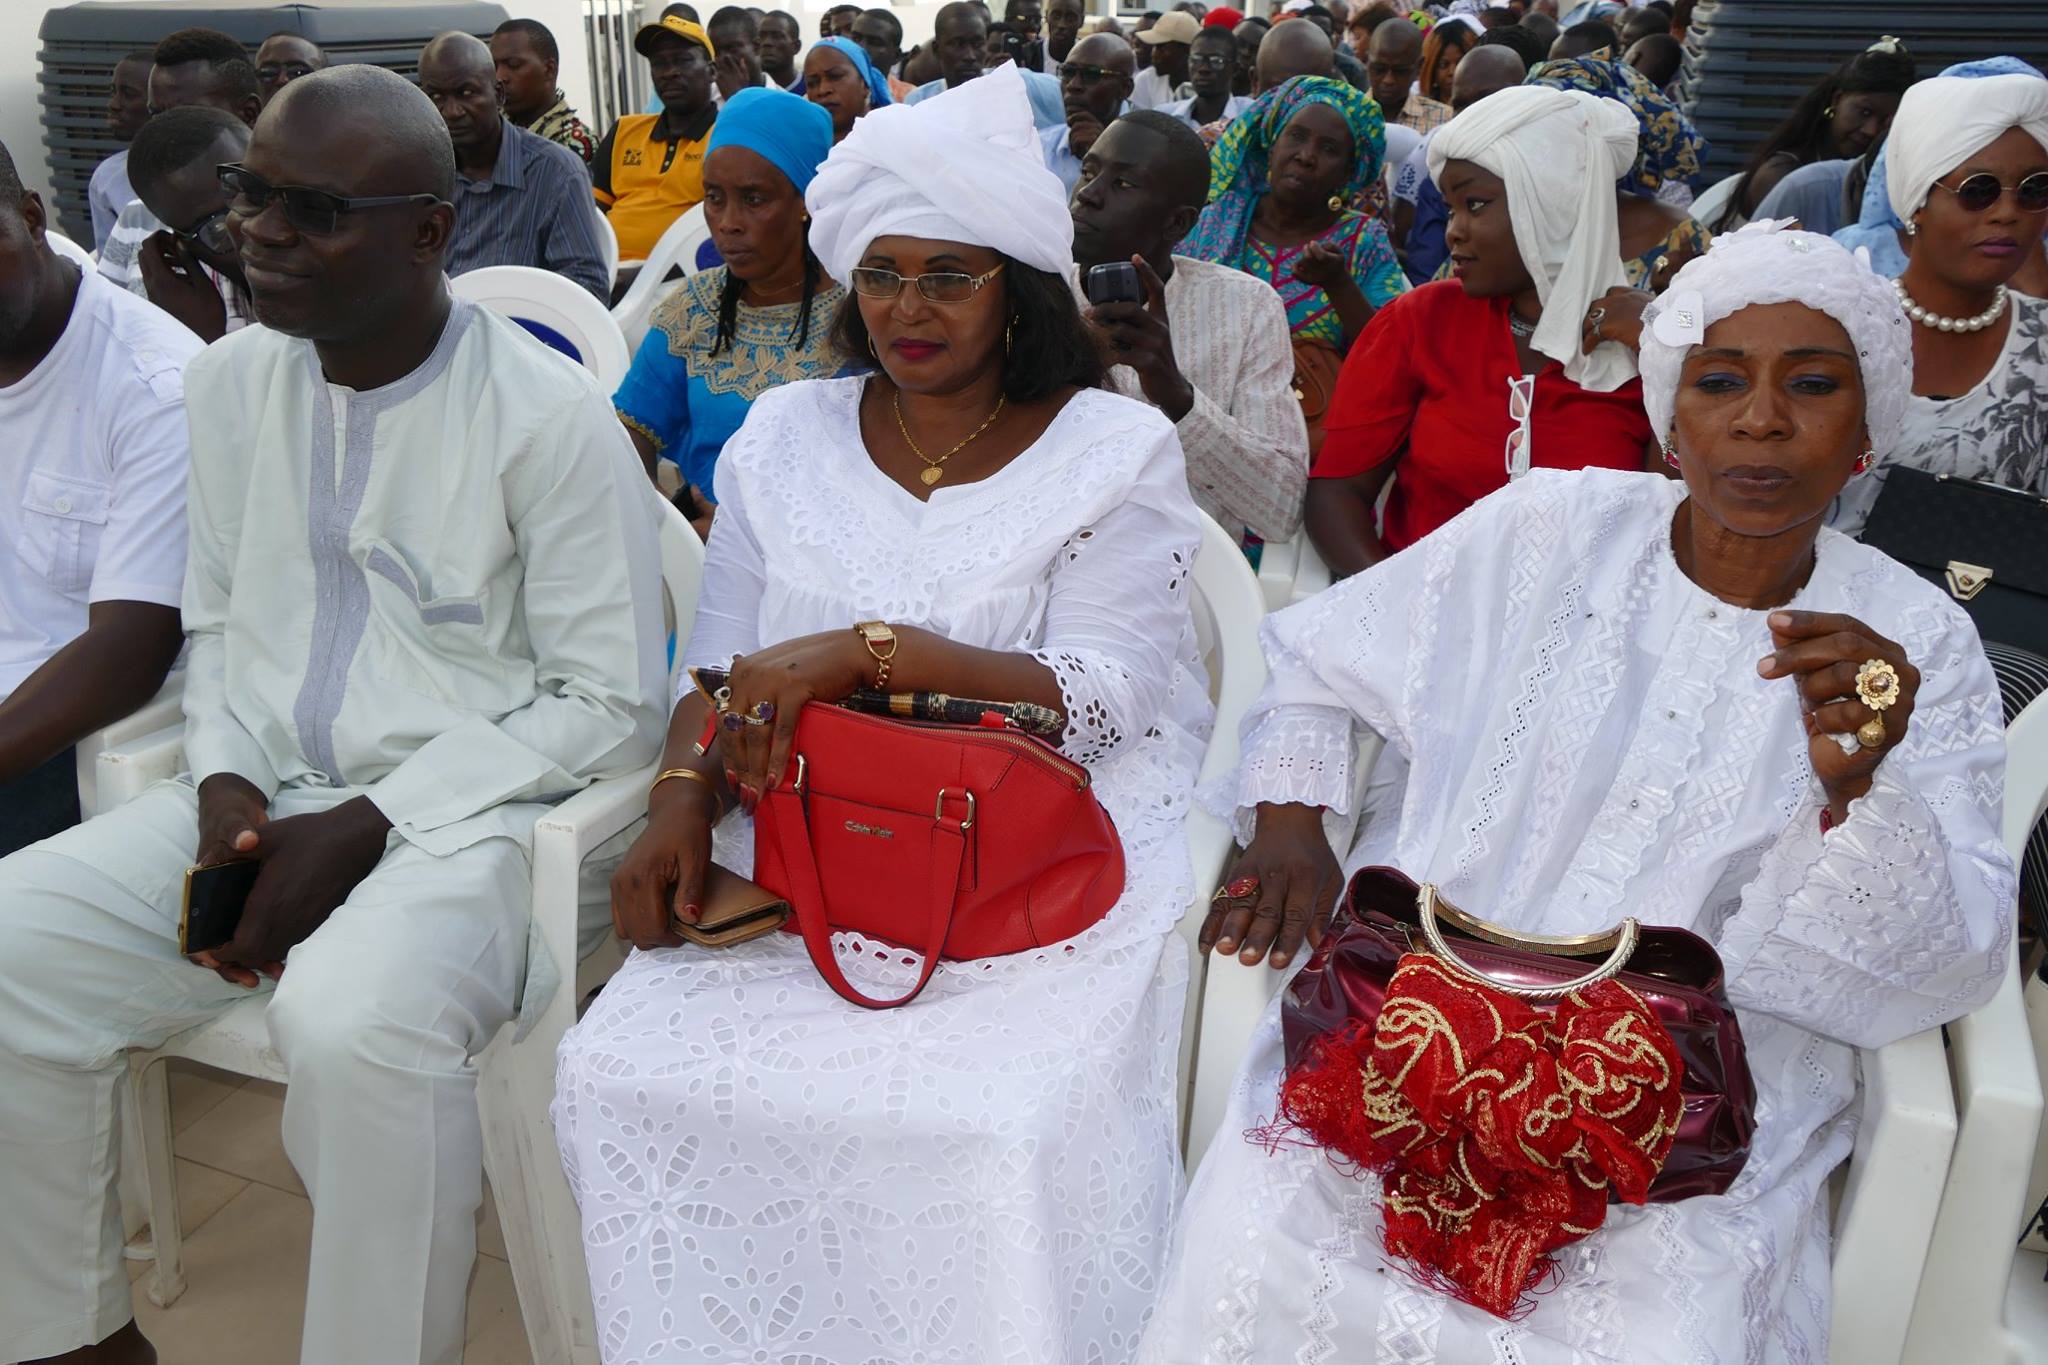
{"x":454,"y":56}
{"x":1396,"y":40}
{"x":1105,"y":50}
{"x":1292,"y":49}
{"x":1482,"y":71}
{"x":398,"y":141}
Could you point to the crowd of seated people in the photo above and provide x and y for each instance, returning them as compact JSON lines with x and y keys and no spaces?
{"x":990,"y":330}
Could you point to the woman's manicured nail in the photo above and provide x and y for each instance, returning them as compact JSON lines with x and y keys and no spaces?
{"x":690,"y":913}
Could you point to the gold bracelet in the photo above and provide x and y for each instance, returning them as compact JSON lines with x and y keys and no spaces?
{"x":693,"y":775}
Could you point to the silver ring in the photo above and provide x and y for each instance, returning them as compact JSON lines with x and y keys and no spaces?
{"x":1596,"y":315}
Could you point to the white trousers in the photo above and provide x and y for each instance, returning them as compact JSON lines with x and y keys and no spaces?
{"x":377,"y":1017}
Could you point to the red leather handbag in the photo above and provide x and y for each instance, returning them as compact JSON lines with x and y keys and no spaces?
{"x":954,"y":841}
{"x":1677,"y":972}
{"x":1505,"y":1089}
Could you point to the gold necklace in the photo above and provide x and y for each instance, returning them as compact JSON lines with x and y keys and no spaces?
{"x":935,"y":469}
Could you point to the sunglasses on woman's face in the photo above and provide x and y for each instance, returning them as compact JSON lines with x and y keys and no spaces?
{"x":1979,"y":192}
{"x":940,"y":286}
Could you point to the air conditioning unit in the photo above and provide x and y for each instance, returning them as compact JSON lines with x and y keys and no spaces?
{"x":82,"y":42}
{"x":1748,"y":61}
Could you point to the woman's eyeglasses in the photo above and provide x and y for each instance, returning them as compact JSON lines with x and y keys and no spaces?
{"x":1979,"y":192}
{"x":308,"y":210}
{"x":940,"y":286}
{"x":211,"y":233}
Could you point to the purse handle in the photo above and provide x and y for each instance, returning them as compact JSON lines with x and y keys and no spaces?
{"x":807,"y":896}
{"x":1622,"y":937}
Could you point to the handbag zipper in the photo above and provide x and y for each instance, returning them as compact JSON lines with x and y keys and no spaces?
{"x":1024,"y":747}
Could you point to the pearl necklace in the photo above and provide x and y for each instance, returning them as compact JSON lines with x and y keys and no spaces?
{"x":1942,"y":324}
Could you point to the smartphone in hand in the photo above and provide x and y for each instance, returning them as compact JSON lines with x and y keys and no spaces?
{"x":214,"y":898}
{"x":1113,"y":282}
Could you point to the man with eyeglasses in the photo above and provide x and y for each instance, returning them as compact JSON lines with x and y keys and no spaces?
{"x":283,"y":58}
{"x":1095,"y":82}
{"x":1391,"y":62}
{"x":423,"y":600}
{"x":649,"y":170}
{"x":519,"y":198}
{"x":1212,"y":63}
{"x":92,"y":530}
{"x":191,"y":269}
{"x":1209,"y":346}
{"x":194,"y":66}
{"x":960,"y":45}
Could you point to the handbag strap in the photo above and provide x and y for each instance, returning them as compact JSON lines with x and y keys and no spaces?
{"x":807,"y":896}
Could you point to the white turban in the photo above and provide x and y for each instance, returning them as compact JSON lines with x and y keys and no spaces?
{"x":1767,"y":263}
{"x":1945,"y":120}
{"x":1559,"y":153}
{"x":962,"y":166}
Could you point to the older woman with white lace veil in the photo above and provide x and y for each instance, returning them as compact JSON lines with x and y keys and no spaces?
{"x":1623,"y":695}
{"x":765,"y":1171}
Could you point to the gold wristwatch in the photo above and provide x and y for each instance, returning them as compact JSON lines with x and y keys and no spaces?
{"x":880,"y":638}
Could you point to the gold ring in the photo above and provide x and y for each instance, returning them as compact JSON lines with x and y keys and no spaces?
{"x":1871,"y":733}
{"x":1877,"y":684}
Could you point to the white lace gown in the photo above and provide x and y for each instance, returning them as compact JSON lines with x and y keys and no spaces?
{"x":1586,"y":737}
{"x":767,"y":1173}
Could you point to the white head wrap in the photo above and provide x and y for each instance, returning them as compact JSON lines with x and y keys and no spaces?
{"x":1945,"y":120}
{"x":1767,"y":262}
{"x":962,"y":166}
{"x":1559,"y":153}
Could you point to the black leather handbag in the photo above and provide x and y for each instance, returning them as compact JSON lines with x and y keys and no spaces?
{"x":1984,"y":544}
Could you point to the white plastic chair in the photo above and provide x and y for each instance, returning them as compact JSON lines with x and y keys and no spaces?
{"x":1291,"y":571}
{"x":1228,"y":607}
{"x":1960,"y":1314}
{"x":519,"y":1153}
{"x":557,"y":310}
{"x":676,"y":250}
{"x":608,"y":242}
{"x":164,"y":711}
{"x":1712,"y":202}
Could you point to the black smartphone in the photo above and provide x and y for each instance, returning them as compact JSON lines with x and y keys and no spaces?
{"x":214,"y":897}
{"x":1113,"y":282}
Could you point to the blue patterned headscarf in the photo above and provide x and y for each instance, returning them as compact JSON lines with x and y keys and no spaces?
{"x":878,"y":84}
{"x":791,"y":133}
{"x":1876,"y":226}
{"x":1668,"y":147}
{"x":1237,"y":164}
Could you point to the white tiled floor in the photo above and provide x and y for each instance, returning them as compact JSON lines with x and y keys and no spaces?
{"x":246,"y":1228}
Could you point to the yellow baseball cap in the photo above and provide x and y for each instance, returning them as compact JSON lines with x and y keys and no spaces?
{"x":680,"y":27}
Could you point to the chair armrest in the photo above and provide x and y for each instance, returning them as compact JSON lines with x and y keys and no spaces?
{"x":1888,"y":1207}
{"x":121,"y":773}
{"x":164,"y":711}
{"x":563,"y":839}
{"x":1279,"y":563}
{"x":1961,"y":1310}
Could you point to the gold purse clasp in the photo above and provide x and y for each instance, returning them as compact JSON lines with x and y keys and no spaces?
{"x":1965,"y":581}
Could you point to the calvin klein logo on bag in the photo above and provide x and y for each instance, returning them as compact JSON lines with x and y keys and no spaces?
{"x":856,"y":827}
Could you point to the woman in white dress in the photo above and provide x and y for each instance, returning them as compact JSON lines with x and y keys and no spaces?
{"x":766,"y":1172}
{"x":1618,"y":695}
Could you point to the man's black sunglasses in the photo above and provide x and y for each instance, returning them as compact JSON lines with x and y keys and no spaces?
{"x":308,"y":210}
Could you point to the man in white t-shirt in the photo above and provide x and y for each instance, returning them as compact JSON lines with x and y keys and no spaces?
{"x":92,"y":511}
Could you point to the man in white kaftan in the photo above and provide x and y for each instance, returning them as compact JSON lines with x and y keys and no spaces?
{"x":435,"y":599}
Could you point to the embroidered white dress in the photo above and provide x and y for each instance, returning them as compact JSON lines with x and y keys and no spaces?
{"x":1586,"y":736}
{"x":767,"y":1173}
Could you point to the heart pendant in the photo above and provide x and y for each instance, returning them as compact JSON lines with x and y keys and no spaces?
{"x":931,"y":476}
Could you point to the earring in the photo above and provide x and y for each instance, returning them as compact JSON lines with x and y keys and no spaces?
{"x":873,"y":352}
{"x":1009,"y":334}
{"x":1670,"y":453}
{"x":1338,"y":203}
{"x":1865,"y":461}
{"x":1828,"y":112}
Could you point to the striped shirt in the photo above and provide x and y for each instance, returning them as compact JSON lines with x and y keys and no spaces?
{"x":534,"y":210}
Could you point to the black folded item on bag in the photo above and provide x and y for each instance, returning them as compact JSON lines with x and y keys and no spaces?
{"x":1984,"y":544}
